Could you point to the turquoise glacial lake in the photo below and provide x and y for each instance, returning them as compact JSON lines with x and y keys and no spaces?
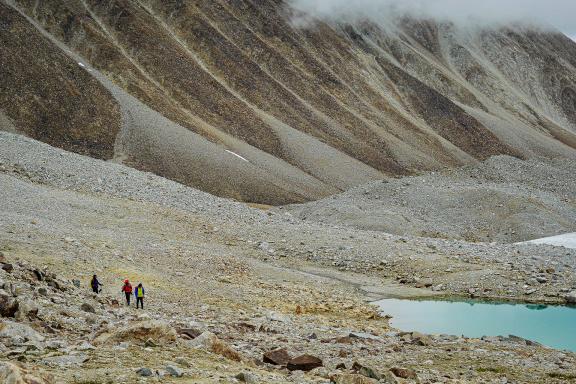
{"x":553,"y":326}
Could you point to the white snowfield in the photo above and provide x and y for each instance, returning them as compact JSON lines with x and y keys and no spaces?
{"x":567,"y":240}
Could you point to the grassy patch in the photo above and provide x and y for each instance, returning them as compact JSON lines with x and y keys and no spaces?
{"x":491,"y":369}
{"x":563,"y":376}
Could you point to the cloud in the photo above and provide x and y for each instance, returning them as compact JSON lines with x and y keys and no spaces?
{"x":559,"y":14}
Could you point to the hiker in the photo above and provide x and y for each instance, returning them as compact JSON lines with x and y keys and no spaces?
{"x":95,"y":284}
{"x":127,"y":289}
{"x":139,"y":294}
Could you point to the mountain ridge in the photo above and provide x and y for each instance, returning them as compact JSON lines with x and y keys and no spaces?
{"x":315,"y":111}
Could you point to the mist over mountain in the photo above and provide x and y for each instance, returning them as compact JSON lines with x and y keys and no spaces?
{"x":235,"y":98}
{"x":555,"y":14}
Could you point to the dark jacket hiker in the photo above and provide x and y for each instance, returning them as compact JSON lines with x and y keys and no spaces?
{"x":95,"y":284}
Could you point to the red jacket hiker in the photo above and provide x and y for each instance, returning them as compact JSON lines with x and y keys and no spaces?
{"x":127,"y":289}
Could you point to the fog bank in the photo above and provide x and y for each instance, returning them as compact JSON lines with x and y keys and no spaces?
{"x":557,"y":14}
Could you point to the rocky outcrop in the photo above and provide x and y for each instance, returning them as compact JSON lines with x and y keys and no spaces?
{"x":348,"y":378}
{"x":404,"y":373}
{"x":277,"y":357}
{"x":212,"y":343}
{"x":13,"y":374}
{"x":139,"y":332}
{"x":14,"y":330}
{"x":8,"y":305}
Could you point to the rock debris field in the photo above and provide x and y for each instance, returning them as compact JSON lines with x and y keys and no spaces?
{"x":503,"y":199}
{"x":239,"y":294}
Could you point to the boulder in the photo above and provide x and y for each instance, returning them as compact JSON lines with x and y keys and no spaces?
{"x":364,"y":335}
{"x":13,"y":374}
{"x":189,"y":333}
{"x":174,"y":371}
{"x":27,"y":310}
{"x":388,"y":378}
{"x":19,"y":288}
{"x":246,"y":377}
{"x":8,"y":305}
{"x":323,"y":372}
{"x":159,"y":331}
{"x":145,"y":372}
{"x":491,"y":339}
{"x":87,"y":308}
{"x":404,"y":373}
{"x":210,"y":342}
{"x":420,"y":339}
{"x":38,"y":274}
{"x":277,"y":357}
{"x":571,"y":297}
{"x":143,"y":317}
{"x":181,"y":361}
{"x":122,"y":346}
{"x":347,"y":378}
{"x":150,"y":343}
{"x":9,"y":329}
{"x":52,"y":282}
{"x":304,"y":363}
{"x":204,"y":340}
{"x":274,"y":316}
{"x":85,"y":346}
{"x":58,"y":300}
{"x":366,"y":371}
{"x":521,"y":340}
{"x":7,"y":267}
{"x":66,"y":361}
{"x":55,"y":344}
{"x":344,"y":340}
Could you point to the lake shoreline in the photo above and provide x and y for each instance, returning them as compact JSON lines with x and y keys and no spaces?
{"x":544,"y":325}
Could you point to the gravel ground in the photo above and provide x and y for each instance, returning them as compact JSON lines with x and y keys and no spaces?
{"x":43,"y":164}
{"x":275,"y":236}
{"x":503,"y":199}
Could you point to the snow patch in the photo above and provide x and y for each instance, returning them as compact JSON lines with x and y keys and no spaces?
{"x":84,"y":66}
{"x":237,"y":155}
{"x":567,"y":240}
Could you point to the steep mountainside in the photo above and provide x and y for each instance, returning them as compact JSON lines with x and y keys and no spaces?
{"x":229,"y":97}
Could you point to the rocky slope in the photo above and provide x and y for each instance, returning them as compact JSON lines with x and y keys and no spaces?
{"x":310,"y":111}
{"x":227,"y":285}
{"x":501,"y":199}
